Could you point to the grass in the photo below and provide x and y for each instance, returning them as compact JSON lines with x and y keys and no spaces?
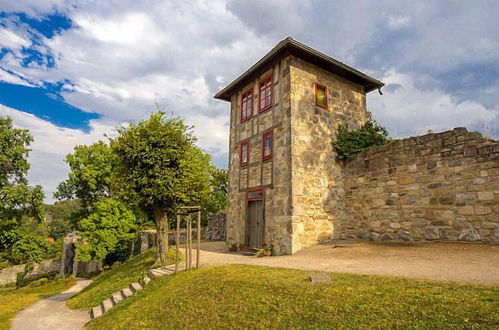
{"x":106,"y":283}
{"x":251,"y":297}
{"x":12,"y":300}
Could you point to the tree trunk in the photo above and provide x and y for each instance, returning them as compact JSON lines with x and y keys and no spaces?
{"x":161,"y":220}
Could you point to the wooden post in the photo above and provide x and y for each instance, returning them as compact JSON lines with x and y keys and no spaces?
{"x":189,"y":239}
{"x":186,"y":245}
{"x":177,"y":238}
{"x":199,"y":239}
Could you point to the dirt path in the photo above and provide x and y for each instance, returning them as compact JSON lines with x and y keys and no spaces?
{"x":52,"y":313}
{"x":459,"y":262}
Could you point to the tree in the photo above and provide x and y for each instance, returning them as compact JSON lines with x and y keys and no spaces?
{"x":90,"y":175}
{"x":216,"y":200}
{"x":349,"y":143}
{"x":109,"y":224}
{"x":62,"y":216}
{"x":17,"y":199}
{"x":158,"y":168}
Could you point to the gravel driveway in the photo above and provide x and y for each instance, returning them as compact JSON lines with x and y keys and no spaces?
{"x":459,"y":262}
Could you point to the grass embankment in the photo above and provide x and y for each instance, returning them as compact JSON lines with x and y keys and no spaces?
{"x":106,"y":283}
{"x":12,"y":300}
{"x":250,"y":297}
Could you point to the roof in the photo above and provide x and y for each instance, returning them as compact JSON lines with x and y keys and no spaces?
{"x":289,"y":46}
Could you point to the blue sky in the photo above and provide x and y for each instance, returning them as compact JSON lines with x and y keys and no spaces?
{"x":70,"y":71}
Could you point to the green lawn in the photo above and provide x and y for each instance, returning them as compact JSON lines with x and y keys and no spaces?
{"x":250,"y":297}
{"x":106,"y":283}
{"x":12,"y":300}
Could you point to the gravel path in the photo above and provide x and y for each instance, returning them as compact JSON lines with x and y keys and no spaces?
{"x":458,"y":262}
{"x":51,"y":313}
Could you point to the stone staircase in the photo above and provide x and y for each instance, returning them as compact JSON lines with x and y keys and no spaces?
{"x":130,"y":290}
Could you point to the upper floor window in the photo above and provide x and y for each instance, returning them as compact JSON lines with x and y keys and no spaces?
{"x":267,"y":145}
{"x":246,"y":105}
{"x":320,"y":96}
{"x":265,"y":93}
{"x":244,"y":153}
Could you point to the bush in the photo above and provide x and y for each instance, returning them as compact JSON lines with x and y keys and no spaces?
{"x":349,"y":143}
{"x":32,"y":248}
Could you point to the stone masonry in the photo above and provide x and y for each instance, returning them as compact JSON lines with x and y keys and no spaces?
{"x":442,"y":186}
{"x":433,"y":187}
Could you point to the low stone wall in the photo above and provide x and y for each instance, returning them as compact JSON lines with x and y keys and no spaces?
{"x":9,"y":274}
{"x":216,"y":228}
{"x":442,"y":186}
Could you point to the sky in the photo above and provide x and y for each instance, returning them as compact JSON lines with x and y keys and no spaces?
{"x":71,"y":71}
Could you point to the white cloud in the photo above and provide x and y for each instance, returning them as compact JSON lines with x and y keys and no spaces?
{"x":398,"y":22}
{"x":407,"y":110}
{"x":51,"y":145}
{"x":11,"y":40}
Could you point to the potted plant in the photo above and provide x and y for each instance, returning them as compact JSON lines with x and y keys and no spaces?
{"x":266,"y":250}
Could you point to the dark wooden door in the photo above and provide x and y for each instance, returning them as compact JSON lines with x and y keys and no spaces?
{"x":255,"y":224}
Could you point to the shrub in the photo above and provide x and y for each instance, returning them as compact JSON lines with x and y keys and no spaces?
{"x":349,"y":143}
{"x":32,"y":248}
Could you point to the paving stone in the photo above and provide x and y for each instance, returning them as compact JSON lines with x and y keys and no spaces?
{"x":107,"y":305}
{"x":117,"y":297}
{"x":96,"y":312}
{"x":146,"y":280}
{"x":126,"y":292}
{"x":135,"y":287}
{"x":319,"y":278}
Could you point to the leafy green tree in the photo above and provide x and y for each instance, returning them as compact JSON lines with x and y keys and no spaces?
{"x":158,"y":169}
{"x":62,"y":217}
{"x":90,"y":175}
{"x":109,"y":224}
{"x":349,"y":143}
{"x":216,"y":200}
{"x":32,"y":248}
{"x":17,"y":199}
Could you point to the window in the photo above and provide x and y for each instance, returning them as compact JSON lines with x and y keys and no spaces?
{"x":244,"y":153}
{"x":320,"y":96}
{"x":267,"y":145}
{"x":246,"y":105}
{"x":265,"y":94}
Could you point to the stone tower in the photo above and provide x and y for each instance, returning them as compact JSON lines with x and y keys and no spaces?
{"x":284,"y":184}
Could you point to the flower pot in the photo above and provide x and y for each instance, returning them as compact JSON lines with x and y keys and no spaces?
{"x":267,"y":253}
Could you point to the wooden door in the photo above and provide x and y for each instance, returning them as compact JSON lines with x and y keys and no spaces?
{"x":255,"y":224}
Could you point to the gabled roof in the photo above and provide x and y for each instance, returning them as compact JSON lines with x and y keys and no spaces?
{"x":289,"y":46}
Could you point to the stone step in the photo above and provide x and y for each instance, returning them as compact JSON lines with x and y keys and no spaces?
{"x":96,"y":312}
{"x":135,"y":287}
{"x":126,"y":292}
{"x":117,"y":297}
{"x":146,"y":280}
{"x":107,"y":305}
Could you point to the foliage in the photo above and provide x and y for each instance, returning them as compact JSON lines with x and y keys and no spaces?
{"x":109,"y":224}
{"x":216,"y":200}
{"x":32,"y":248}
{"x":62,"y":217}
{"x":21,"y":276}
{"x":159,"y":168}
{"x":12,"y":300}
{"x":266,"y":250}
{"x":106,"y":283}
{"x":250,"y":297}
{"x":90,"y":175}
{"x":349,"y":143}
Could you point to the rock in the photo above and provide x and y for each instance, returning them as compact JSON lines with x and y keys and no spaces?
{"x":404,"y":235}
{"x":386,"y":237}
{"x":107,"y":305}
{"x":431,"y":233}
{"x":374,"y":236}
{"x":135,"y":287}
{"x":96,"y":312}
{"x":319,"y":278}
{"x":126,"y":292}
{"x":469,"y":235}
{"x":362,"y":234}
{"x":117,"y":297}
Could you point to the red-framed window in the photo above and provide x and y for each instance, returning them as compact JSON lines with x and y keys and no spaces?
{"x":246,"y":105}
{"x":255,"y":194}
{"x":244,"y":153}
{"x":267,"y":145}
{"x":320,"y":95}
{"x":265,"y":97}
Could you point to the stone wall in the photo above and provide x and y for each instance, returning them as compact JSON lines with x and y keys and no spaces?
{"x":8,"y":274}
{"x":216,"y":227}
{"x":442,"y":186}
{"x":317,"y":191}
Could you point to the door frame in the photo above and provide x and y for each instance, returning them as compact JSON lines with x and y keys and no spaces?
{"x":252,"y":196}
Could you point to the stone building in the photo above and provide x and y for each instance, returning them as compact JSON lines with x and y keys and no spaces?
{"x":284,"y":185}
